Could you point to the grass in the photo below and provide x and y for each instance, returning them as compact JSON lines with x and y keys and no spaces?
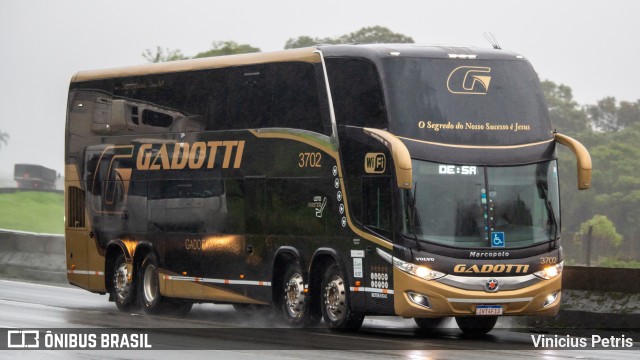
{"x":34,"y":211}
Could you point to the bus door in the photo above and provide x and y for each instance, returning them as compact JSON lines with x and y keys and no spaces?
{"x":377,"y":217}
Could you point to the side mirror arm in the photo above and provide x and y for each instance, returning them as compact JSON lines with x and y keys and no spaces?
{"x":582,"y":157}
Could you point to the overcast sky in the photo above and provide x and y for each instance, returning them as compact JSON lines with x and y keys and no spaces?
{"x":592,"y":46}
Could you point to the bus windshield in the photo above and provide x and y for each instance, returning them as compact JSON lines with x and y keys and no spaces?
{"x":482,"y":207}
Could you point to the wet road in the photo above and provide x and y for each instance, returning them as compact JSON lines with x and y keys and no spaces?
{"x":249,"y":335}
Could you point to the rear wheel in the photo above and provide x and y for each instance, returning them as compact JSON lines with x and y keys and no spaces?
{"x":149,"y":294}
{"x":336,"y":310}
{"x":149,"y":289}
{"x":296,"y":307}
{"x":123,"y":287}
{"x":476,"y":325}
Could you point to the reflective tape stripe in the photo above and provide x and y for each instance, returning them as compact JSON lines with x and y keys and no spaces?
{"x":489,"y":301}
{"x":371,"y":290}
{"x":217,"y":281}
{"x":85,"y":272}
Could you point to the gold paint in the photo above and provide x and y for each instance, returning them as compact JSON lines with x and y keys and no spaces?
{"x":483,"y":80}
{"x":375,"y":163}
{"x":438,"y":294}
{"x":496,"y":147}
{"x":400,"y":153}
{"x":239,"y":153}
{"x":86,"y":254}
{"x":194,"y":155}
{"x":583,"y":159}
{"x":198,"y":290}
{"x":302,"y":55}
{"x":233,"y":244}
{"x":491,"y":268}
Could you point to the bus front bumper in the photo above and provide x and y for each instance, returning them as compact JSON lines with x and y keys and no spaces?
{"x":415,"y":297}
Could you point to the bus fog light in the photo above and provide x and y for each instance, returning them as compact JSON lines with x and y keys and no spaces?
{"x":419,"y":299}
{"x":551,"y":299}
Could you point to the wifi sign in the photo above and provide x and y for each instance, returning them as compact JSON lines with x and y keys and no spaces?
{"x":375,"y":163}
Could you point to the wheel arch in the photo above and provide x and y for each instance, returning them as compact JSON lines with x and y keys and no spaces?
{"x":323,"y":258}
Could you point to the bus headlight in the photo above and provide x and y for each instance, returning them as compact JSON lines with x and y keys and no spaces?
{"x":550,"y":272}
{"x":420,"y":271}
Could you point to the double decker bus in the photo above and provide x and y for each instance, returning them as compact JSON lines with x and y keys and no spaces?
{"x":330,"y":182}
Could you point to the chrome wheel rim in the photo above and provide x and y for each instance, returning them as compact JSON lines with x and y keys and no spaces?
{"x":294,"y":296}
{"x":150,"y":283}
{"x":334,"y":298}
{"x":122,"y":282}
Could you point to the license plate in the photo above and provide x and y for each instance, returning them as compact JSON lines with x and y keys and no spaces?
{"x":489,"y":310}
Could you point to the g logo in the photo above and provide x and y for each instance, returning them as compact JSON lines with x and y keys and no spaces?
{"x":473,"y":80}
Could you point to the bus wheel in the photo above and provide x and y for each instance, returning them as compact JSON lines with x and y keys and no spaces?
{"x":123,"y":289}
{"x":476,"y":325}
{"x":149,"y":290}
{"x":335,"y":302}
{"x":296,"y":304}
{"x":428,"y":324}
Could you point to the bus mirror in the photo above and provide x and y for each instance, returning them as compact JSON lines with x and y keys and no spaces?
{"x":400,"y":154}
{"x":582,"y":157}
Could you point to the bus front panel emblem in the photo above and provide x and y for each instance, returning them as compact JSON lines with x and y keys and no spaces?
{"x":492,"y":285}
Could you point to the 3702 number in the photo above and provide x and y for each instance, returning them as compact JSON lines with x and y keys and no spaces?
{"x":310,"y":159}
{"x":548,"y":260}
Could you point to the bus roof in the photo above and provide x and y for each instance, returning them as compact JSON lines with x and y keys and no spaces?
{"x":374,"y":51}
{"x":308,"y":54}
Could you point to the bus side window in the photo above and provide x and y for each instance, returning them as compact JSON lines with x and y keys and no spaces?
{"x":250,"y":95}
{"x":376,"y":195}
{"x":296,"y":101}
{"x":356,"y":93}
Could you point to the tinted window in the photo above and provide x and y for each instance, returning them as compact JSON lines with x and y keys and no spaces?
{"x":274,"y":95}
{"x":356,"y":93}
{"x":376,"y":193}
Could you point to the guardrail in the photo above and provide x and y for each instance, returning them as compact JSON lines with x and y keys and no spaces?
{"x":591,"y":297}
{"x":32,"y":256}
{"x":48,"y":253}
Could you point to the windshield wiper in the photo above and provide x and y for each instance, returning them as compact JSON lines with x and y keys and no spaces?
{"x":552,"y":214}
{"x":412,"y":209}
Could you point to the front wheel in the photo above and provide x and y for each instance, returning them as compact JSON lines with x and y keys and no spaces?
{"x":123,"y":287}
{"x":336,"y":310}
{"x":476,"y":325}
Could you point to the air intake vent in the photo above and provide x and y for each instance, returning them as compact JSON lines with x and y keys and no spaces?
{"x":75,"y":207}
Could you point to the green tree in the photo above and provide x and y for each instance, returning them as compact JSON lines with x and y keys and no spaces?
{"x":163,"y":55}
{"x":219,"y":48}
{"x":608,"y":115}
{"x":601,"y":229}
{"x":4,"y":138}
{"x":567,"y":116}
{"x":366,"y":35}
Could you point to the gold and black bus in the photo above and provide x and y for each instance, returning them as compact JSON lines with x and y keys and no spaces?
{"x":330,"y":182}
